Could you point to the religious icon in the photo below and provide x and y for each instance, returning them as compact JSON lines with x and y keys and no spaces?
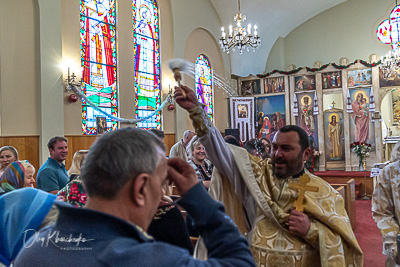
{"x":331,"y":80}
{"x":271,"y":116}
{"x":389,"y":77}
{"x":396,"y":106}
{"x":306,"y":119}
{"x":362,"y":129}
{"x":334,"y":134}
{"x":305,"y":83}
{"x":243,"y":111}
{"x":306,"y":115}
{"x":251,"y":87}
{"x":359,"y":77}
{"x":101,"y":123}
{"x":274,"y":85}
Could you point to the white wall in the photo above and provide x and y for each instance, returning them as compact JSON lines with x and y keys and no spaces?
{"x":347,"y":30}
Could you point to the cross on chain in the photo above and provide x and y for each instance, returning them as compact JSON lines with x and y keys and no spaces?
{"x":302,"y":188}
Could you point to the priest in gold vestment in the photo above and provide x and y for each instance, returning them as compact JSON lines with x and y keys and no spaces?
{"x":257,"y":196}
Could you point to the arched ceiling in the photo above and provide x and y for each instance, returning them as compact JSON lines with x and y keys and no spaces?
{"x":274,"y":18}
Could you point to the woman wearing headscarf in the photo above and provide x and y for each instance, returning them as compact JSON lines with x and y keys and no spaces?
{"x":23,"y":212}
{"x":18,"y":174}
{"x":8,"y":154}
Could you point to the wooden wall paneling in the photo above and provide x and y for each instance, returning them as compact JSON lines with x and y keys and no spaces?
{"x":27,"y":146}
{"x":169,"y":142}
{"x":75,"y":143}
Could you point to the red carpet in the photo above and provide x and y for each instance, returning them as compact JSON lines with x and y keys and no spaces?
{"x":368,"y":236}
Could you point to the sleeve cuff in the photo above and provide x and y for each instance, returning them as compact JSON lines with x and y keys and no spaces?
{"x":312,"y":234}
{"x":198,"y":203}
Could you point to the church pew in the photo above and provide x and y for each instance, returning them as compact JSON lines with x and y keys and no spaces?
{"x":341,"y":190}
{"x":351,"y":202}
{"x":364,"y":183}
{"x":349,"y":199}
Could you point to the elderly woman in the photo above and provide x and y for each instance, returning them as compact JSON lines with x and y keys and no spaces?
{"x":199,"y":162}
{"x":23,"y":212}
{"x":8,"y":154}
{"x":386,"y":205}
{"x":18,"y":174}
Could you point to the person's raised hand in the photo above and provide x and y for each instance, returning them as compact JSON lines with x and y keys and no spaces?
{"x":299,"y":223}
{"x":182,"y":174}
{"x":186,"y":102}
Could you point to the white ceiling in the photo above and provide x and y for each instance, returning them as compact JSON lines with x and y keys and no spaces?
{"x":274,"y":18}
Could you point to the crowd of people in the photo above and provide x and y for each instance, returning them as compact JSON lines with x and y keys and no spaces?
{"x":124,"y":202}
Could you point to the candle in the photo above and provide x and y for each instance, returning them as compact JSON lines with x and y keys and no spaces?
{"x":249,"y":28}
{"x":389,"y":124}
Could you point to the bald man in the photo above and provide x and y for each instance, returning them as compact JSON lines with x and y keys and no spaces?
{"x":179,"y":149}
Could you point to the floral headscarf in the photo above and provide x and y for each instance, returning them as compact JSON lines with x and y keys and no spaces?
{"x":13,"y":176}
{"x":73,"y":193}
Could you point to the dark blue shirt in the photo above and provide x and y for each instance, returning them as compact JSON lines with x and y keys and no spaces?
{"x":52,"y":176}
{"x":105,"y":240}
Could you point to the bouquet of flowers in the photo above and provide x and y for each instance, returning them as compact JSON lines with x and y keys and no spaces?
{"x":313,"y":161}
{"x":362,"y":150}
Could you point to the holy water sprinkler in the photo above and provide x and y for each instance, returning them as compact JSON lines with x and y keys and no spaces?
{"x":177,"y":65}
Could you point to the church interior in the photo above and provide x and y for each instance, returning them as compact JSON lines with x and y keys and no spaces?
{"x":321,"y":65}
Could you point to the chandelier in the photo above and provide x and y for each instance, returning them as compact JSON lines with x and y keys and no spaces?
{"x":239,"y":38}
{"x":391,"y":60}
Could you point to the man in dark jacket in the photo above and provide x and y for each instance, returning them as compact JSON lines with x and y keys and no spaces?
{"x":123,"y":175}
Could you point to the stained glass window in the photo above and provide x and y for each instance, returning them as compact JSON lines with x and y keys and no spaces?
{"x":388,"y":31}
{"x":98,"y":60}
{"x":146,"y":62}
{"x":203,"y":78}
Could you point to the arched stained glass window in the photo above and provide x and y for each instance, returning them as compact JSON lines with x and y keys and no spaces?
{"x":388,"y":31}
{"x":98,"y":60}
{"x":203,"y":78}
{"x":146,"y":61}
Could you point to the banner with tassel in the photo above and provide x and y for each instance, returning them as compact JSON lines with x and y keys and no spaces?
{"x":349,"y":108}
{"x":315,"y":104}
{"x":371,"y":101}
{"x":295,"y":106}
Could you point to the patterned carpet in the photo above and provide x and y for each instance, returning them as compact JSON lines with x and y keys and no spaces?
{"x":368,"y":235}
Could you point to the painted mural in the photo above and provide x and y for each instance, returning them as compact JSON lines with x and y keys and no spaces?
{"x":389,"y":77}
{"x":270,"y":115}
{"x":274,"y":85}
{"x":250,"y":87}
{"x":331,"y":80}
{"x":305,"y":82}
{"x":306,"y":119}
{"x":334,"y":135}
{"x":359,"y":77}
{"x":362,"y":128}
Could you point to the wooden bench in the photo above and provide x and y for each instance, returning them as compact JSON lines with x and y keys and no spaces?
{"x":349,"y":199}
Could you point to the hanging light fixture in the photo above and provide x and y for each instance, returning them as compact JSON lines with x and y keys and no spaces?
{"x":239,"y":38}
{"x":388,"y":32}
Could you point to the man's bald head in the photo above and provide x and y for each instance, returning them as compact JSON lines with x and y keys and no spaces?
{"x":187,"y":136}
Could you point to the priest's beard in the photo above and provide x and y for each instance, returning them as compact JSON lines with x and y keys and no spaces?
{"x":292,"y":167}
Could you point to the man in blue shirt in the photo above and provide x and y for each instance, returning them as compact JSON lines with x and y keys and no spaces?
{"x":52,"y":175}
{"x":124,"y":174}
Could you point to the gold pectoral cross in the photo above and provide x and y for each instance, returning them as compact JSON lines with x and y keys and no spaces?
{"x":302,"y":188}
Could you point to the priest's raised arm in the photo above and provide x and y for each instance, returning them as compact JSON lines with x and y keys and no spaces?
{"x":280,"y":236}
